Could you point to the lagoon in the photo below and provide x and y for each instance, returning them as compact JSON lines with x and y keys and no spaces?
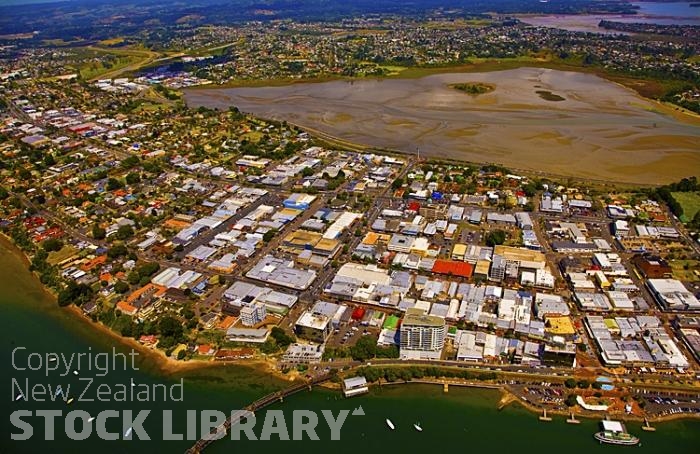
{"x":600,"y":130}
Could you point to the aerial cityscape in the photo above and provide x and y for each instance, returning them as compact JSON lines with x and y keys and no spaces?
{"x":258,"y":209}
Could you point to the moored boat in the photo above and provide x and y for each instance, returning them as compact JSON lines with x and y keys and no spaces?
{"x":615,"y":433}
{"x":616,"y":438}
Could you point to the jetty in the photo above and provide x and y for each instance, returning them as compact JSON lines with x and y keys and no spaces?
{"x":277,"y":396}
{"x":544,"y":416}
{"x":572,"y":419}
{"x":648,"y":427}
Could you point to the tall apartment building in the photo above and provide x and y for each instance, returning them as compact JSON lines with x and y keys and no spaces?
{"x":253,"y":314}
{"x":422,"y":336}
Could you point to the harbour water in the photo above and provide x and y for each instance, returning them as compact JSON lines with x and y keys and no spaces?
{"x":671,"y":13}
{"x":459,"y":420}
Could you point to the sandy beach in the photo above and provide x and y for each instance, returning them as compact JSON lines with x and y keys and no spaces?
{"x":600,"y":130}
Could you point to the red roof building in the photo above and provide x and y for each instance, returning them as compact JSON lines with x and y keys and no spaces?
{"x":453,"y":268}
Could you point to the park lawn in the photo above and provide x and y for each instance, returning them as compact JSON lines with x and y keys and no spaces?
{"x":253,"y":136}
{"x":57,"y":257}
{"x":679,"y":271}
{"x":690,"y":202}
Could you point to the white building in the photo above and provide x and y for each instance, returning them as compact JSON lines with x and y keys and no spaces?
{"x":422,"y":336}
{"x":253,"y":314}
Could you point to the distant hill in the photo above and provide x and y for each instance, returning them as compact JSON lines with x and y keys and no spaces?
{"x":98,"y":19}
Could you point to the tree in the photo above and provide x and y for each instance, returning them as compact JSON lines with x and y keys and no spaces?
{"x":98,"y":232}
{"x":169,"y":326}
{"x":52,"y":244}
{"x":570,"y":400}
{"x":181,"y":354}
{"x":397,"y":183}
{"x":133,"y":178}
{"x":121,"y":287}
{"x":570,"y":383}
{"x":307,"y":172}
{"x":364,"y":349}
{"x":114,"y":184}
{"x":125,"y":232}
{"x":281,"y":337}
{"x":269,"y":235}
{"x":269,"y":346}
{"x":495,"y":238}
{"x":129,"y":162}
{"x":116,"y":251}
{"x":133,"y":278}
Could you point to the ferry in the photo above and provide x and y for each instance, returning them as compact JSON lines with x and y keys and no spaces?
{"x":418,"y":427}
{"x":390,"y":424}
{"x":615,"y":433}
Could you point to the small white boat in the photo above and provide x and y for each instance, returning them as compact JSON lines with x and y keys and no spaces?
{"x":75,"y":372}
{"x":128,"y":432}
{"x":418,"y":427}
{"x":53,"y":359}
{"x":19,"y":396}
{"x":390,"y":424}
{"x":59,"y":390}
{"x":92,"y":418}
{"x":69,"y":401}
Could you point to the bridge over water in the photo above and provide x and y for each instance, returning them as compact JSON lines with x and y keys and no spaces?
{"x":259,"y":404}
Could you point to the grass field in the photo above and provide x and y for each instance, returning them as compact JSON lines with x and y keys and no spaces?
{"x":681,"y":273}
{"x":57,"y":257}
{"x":690,"y":201}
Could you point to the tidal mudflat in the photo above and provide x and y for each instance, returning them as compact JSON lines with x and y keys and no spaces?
{"x":598,"y":130}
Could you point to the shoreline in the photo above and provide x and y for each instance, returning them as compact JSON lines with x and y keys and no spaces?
{"x":486,"y":66}
{"x":163,"y":364}
{"x":167,"y":366}
{"x":508,"y":398}
{"x":631,"y":162}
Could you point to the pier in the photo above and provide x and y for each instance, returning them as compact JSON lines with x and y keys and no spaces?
{"x":572,"y":419}
{"x":544,"y":416}
{"x":277,"y":396}
{"x":648,"y":427}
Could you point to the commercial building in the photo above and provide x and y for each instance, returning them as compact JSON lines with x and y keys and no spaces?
{"x":355,"y":386}
{"x":281,"y":272}
{"x":303,"y":354}
{"x":241,"y":294}
{"x":653,"y":267}
{"x":299,"y":201}
{"x":672,"y":295}
{"x":422,"y":336}
{"x":316,"y":324}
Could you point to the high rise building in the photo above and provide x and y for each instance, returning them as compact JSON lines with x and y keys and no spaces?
{"x":253,"y":314}
{"x":422,"y":336}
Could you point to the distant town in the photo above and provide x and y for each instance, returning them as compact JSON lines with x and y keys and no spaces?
{"x":213,"y":235}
